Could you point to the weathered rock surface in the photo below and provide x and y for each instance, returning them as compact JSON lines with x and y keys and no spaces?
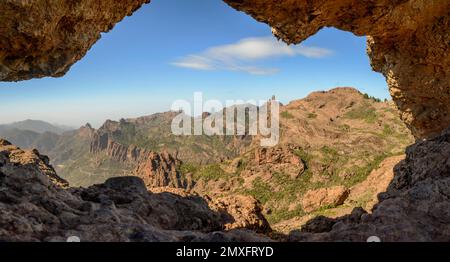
{"x":324,"y":197}
{"x":35,"y":206}
{"x":409,"y":42}
{"x":103,"y":141}
{"x":44,"y":38}
{"x":160,"y":170}
{"x":415,"y":207}
{"x":281,"y":159}
{"x":241,"y":212}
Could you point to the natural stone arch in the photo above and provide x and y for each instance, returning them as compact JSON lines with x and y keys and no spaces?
{"x":408,"y":41}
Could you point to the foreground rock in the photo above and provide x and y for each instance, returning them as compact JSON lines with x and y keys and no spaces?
{"x":281,"y":159}
{"x":415,"y":207}
{"x":36,"y":206}
{"x":31,"y":159}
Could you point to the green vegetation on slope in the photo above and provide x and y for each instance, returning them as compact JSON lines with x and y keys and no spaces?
{"x":363,"y":112}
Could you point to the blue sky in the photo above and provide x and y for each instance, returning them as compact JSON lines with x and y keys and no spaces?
{"x":170,"y":49}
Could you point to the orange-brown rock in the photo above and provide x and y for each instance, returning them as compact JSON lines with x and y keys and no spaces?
{"x":160,"y":170}
{"x":241,"y":212}
{"x":11,"y":155}
{"x":408,"y":41}
{"x":366,"y":192}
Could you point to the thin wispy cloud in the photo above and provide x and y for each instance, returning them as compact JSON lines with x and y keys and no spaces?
{"x":244,"y":55}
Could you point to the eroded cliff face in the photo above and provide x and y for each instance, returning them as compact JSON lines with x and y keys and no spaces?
{"x":408,"y":41}
{"x":415,"y":206}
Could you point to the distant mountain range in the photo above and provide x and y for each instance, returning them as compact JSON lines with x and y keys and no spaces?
{"x":36,"y":126}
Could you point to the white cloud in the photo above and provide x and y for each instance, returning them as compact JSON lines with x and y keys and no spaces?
{"x":241,"y":56}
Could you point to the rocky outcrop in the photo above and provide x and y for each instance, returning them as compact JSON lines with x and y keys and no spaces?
{"x":35,"y":205}
{"x":241,"y":212}
{"x":408,"y":41}
{"x":160,"y":170}
{"x":415,"y":206}
{"x":86,"y":132}
{"x":103,"y":142}
{"x":324,"y":197}
{"x":44,"y":38}
{"x":281,"y":159}
{"x":366,"y":193}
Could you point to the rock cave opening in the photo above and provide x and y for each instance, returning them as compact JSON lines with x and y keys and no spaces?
{"x":417,"y":78}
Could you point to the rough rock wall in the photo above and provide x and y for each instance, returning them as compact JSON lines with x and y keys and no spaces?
{"x":44,"y":38}
{"x":408,"y":41}
{"x":156,"y":169}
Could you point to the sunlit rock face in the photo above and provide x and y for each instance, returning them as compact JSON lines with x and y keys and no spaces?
{"x":44,"y":38}
{"x":408,"y":42}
